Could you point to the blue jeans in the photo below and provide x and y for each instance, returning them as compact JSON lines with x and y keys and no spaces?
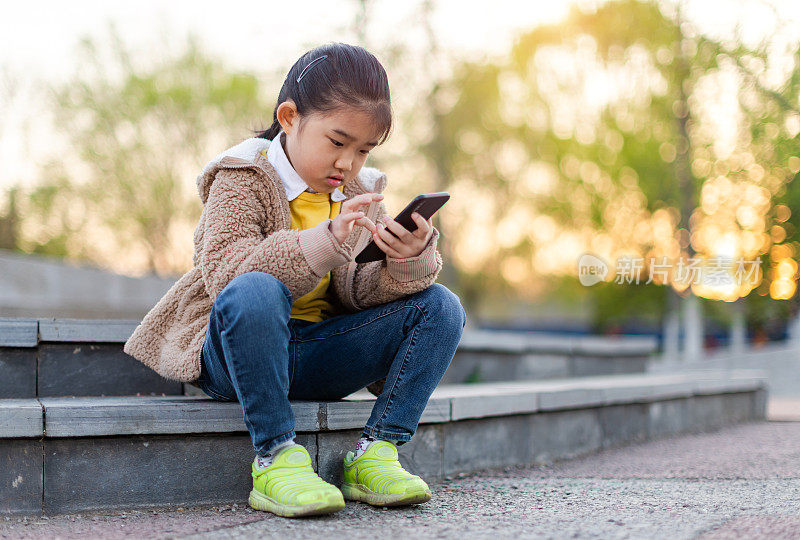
{"x":255,"y":354}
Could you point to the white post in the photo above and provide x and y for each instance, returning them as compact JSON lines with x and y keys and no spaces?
{"x":692,"y":329}
{"x":738,"y":327}
{"x":793,"y":331}
{"x":671,"y":328}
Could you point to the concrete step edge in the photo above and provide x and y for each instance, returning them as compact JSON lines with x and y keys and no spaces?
{"x":506,"y":342}
{"x":133,"y":415}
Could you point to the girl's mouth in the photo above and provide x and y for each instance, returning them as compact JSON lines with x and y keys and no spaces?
{"x":335,"y":182}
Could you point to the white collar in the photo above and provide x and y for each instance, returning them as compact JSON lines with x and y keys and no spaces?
{"x":292,"y":182}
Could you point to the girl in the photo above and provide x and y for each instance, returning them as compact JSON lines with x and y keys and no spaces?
{"x":276,"y":309}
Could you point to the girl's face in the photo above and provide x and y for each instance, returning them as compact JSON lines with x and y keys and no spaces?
{"x":327,"y":150}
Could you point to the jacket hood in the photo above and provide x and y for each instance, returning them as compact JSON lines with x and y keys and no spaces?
{"x":248,"y":154}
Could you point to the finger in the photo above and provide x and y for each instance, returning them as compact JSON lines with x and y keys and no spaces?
{"x":389,"y":239}
{"x":401,"y":232}
{"x":385,"y":247}
{"x":367,"y":224}
{"x":423,"y":226}
{"x":351,"y":216}
{"x":360,"y":200}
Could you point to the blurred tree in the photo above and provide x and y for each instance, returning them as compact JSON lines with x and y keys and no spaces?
{"x":772,"y":136}
{"x":610,"y":133}
{"x":9,"y":220}
{"x":121,"y":191}
{"x":9,"y":223}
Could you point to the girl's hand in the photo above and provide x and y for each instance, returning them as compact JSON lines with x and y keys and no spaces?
{"x":350,"y":216}
{"x":405,"y":244}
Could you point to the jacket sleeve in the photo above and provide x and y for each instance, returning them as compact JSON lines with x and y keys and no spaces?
{"x":386,"y":280}
{"x":234,"y":243}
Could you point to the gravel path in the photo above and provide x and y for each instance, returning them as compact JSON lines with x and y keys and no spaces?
{"x":740,"y":482}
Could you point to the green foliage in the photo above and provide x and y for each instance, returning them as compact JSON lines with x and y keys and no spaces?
{"x":634,"y":143}
{"x":9,"y":222}
{"x":137,"y":136}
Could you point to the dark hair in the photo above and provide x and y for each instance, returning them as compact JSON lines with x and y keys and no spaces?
{"x":350,"y":75}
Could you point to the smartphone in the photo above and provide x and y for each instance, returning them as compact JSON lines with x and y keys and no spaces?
{"x":425,"y":205}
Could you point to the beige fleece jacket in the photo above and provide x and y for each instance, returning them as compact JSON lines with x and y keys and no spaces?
{"x":245,"y":227}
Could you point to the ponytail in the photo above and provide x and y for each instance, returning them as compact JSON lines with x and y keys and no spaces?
{"x":272,"y":131}
{"x":335,"y":75}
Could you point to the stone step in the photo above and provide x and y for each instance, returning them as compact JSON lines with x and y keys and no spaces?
{"x":73,"y":357}
{"x":79,"y":357}
{"x":66,"y":454}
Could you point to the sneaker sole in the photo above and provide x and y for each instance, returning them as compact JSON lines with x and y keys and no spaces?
{"x":360,"y":492}
{"x":259,"y":501}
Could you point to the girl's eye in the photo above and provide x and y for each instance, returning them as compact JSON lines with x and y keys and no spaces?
{"x":337,"y":144}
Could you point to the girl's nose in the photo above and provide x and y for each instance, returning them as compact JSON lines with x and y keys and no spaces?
{"x":344,"y":163}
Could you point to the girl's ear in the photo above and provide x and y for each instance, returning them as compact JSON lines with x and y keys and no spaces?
{"x":288,"y":117}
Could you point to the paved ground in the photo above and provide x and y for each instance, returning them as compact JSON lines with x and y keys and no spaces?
{"x":740,"y":482}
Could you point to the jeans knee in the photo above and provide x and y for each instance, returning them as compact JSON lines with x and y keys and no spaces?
{"x":256,"y":291}
{"x":445,"y":305}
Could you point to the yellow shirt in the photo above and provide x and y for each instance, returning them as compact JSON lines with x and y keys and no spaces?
{"x":308,"y":210}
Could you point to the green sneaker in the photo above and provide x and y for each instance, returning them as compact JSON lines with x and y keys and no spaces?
{"x":289,"y":487}
{"x":376,"y":477}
